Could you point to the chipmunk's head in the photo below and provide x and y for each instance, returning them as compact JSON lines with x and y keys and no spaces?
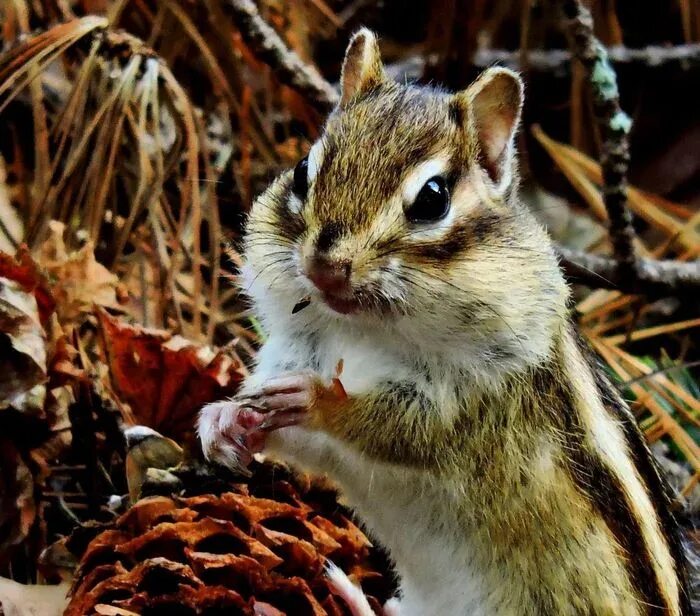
{"x":404,"y":211}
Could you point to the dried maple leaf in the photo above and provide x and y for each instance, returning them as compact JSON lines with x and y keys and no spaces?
{"x":165,"y":379}
{"x":78,"y":281}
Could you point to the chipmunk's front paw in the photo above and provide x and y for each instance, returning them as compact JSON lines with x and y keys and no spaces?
{"x":297,"y":398}
{"x":230,"y":433}
{"x":284,"y":399}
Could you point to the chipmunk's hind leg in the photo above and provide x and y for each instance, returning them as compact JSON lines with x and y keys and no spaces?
{"x":353,"y":595}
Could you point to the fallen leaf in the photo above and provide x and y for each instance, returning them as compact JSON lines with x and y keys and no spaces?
{"x":63,"y":357}
{"x":108,"y":610}
{"x":22,"y":346}
{"x":165,"y":379}
{"x":78,"y":281}
{"x":24,"y":270}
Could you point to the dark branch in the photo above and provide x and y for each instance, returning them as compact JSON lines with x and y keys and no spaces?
{"x":649,"y":277}
{"x":614,"y":125}
{"x":289,"y":68}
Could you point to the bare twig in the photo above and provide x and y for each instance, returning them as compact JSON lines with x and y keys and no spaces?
{"x":648,"y":277}
{"x":626,"y":272}
{"x":686,"y":57}
{"x":552,"y":60}
{"x":614,"y":125}
{"x":271,"y":49}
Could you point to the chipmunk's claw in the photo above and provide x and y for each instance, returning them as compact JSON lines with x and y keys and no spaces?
{"x":229,"y":432}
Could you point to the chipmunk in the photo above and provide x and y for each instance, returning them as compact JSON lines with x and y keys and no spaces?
{"x":470,"y":429}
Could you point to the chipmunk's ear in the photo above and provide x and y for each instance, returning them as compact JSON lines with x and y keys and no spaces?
{"x":491,"y":108}
{"x":362,"y":67}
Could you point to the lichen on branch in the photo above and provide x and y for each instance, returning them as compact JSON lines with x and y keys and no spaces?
{"x":613,"y":123}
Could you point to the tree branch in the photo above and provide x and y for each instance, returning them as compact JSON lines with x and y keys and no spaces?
{"x":649,"y":277}
{"x":614,"y":125}
{"x":268,"y":46}
{"x":552,"y":60}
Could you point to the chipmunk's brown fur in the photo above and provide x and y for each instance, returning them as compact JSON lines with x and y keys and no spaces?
{"x":478,"y":440}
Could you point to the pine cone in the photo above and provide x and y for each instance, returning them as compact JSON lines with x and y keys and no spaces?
{"x":259,"y":549}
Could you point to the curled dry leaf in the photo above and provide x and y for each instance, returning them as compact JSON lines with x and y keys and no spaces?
{"x":164,"y":378}
{"x":259,"y":549}
{"x":78,"y":281}
{"x":33,"y":349}
{"x":41,"y":430}
{"x":22,"y":346}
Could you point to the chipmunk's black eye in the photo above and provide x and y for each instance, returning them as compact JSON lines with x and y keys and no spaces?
{"x":301,"y":178}
{"x":432,"y":202}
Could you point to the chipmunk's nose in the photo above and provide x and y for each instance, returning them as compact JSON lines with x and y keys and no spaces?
{"x":328,"y":275}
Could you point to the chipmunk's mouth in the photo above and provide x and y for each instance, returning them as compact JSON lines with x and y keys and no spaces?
{"x":364,"y":300}
{"x":343,"y":304}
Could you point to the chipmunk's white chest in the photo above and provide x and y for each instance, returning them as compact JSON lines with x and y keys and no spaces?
{"x":365,"y":362}
{"x":440,"y":566}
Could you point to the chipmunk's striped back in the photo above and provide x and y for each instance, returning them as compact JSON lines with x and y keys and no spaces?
{"x":554,"y":487}
{"x":609,"y":460}
{"x":563,"y":504}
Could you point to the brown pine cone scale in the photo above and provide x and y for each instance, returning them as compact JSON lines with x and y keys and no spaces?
{"x":229,"y":554}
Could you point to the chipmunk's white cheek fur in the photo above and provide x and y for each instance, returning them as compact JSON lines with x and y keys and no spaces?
{"x":274,"y":287}
{"x":391,"y":283}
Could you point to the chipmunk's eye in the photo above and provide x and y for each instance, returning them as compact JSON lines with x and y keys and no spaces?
{"x":432,"y":202}
{"x":301,"y":178}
